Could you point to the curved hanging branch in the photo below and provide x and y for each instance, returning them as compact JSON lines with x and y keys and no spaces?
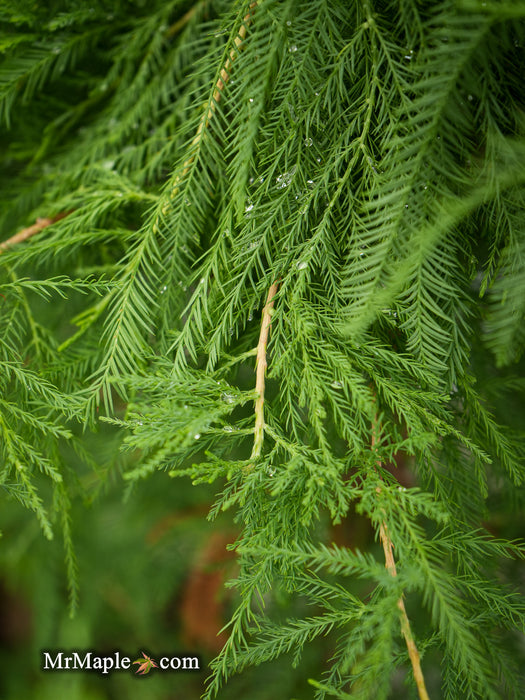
{"x":390,"y":564}
{"x":224,"y":77}
{"x":260,"y":365}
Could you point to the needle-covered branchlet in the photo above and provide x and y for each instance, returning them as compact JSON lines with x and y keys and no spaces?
{"x":406,"y":631}
{"x":260,"y":368}
{"x":224,"y":77}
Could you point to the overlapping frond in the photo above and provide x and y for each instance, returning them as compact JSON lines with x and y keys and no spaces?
{"x":332,"y":191}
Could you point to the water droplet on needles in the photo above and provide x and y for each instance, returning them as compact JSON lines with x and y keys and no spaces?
{"x":197,"y":436}
{"x":302,"y":265}
{"x":248,"y":208}
{"x":337,"y":384}
{"x":227,"y":429}
{"x":227,"y":398}
{"x":293,"y":48}
{"x":308,"y":141}
{"x":285,"y":179}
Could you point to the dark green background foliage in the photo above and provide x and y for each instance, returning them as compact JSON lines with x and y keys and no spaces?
{"x":369,"y":158}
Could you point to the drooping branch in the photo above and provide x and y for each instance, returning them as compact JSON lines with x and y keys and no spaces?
{"x":260,"y":365}
{"x":24,"y":234}
{"x":390,"y":564}
{"x":224,"y":77}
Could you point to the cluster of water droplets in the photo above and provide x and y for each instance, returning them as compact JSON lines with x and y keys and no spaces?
{"x":286,"y":178}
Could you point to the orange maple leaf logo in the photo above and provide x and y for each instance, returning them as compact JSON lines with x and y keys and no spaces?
{"x":145,"y":664}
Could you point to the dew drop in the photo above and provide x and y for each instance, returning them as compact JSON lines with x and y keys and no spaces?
{"x":285,"y":179}
{"x":292,"y":48}
{"x":197,"y":436}
{"x":337,"y":384}
{"x":227,"y":398}
{"x":248,"y":208}
{"x":470,"y":98}
{"x":251,"y":99}
{"x":406,"y":206}
{"x":227,"y":429}
{"x":288,"y":23}
{"x":163,"y":289}
{"x":271,"y":471}
{"x":302,"y":265}
{"x":308,"y":141}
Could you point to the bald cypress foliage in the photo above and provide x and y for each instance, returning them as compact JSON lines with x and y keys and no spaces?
{"x":280,"y":248}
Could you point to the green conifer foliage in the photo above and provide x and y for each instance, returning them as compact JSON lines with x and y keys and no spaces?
{"x":280,"y":248}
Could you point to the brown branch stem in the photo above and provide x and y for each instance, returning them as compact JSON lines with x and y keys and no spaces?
{"x":260,"y":367}
{"x":390,"y":564}
{"x":24,"y":234}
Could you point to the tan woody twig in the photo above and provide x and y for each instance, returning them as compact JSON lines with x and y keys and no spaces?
{"x":30,"y":231}
{"x":406,"y":631}
{"x":260,"y":366}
